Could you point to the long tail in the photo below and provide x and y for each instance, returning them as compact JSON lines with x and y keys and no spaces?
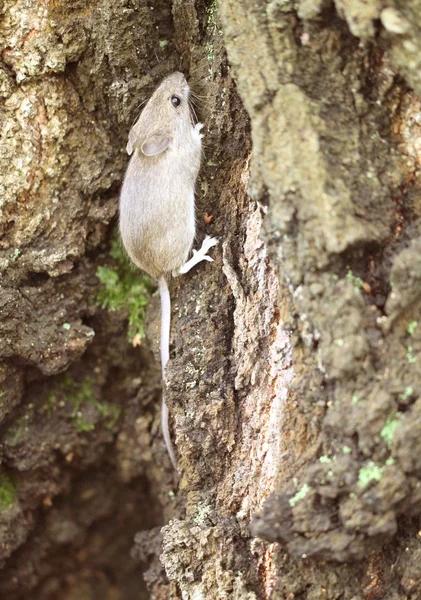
{"x":165,"y":355}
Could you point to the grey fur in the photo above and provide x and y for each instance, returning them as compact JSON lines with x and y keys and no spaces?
{"x":157,"y":222}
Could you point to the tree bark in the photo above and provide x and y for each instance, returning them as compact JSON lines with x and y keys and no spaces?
{"x":294,"y":380}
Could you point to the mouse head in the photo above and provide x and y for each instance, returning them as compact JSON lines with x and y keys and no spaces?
{"x":166,"y":118}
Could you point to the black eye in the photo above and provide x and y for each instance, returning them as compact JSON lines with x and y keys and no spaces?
{"x":175,"y":101}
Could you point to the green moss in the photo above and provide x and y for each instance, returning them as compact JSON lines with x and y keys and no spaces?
{"x":81,"y":424}
{"x":326,"y":459}
{"x":80,"y":394}
{"x":409,"y":390}
{"x":410,"y":355}
{"x":83,"y":394}
{"x":371,"y":472}
{"x":7,"y":491}
{"x":346,"y":450}
{"x":389,"y":429}
{"x":212,"y":17}
{"x":18,"y":428}
{"x":355,"y":399}
{"x":51,"y":402}
{"x":210,"y":52}
{"x":122,"y":288}
{"x":357,"y":281}
{"x":412,"y":327}
{"x":110,"y":412}
{"x":300,"y":495}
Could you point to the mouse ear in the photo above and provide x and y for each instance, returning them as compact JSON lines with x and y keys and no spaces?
{"x":155,"y":143}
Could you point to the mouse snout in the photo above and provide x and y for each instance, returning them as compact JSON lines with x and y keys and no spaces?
{"x":181,"y":82}
{"x":177,"y":79}
{"x":178,"y":83}
{"x":180,"y":77}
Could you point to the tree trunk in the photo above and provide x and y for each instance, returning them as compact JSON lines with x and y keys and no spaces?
{"x":294,"y":380}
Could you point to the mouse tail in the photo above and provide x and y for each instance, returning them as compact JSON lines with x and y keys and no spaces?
{"x":165,"y":355}
{"x":164,"y":293}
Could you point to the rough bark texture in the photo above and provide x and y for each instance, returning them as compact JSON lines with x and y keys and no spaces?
{"x":294,"y":384}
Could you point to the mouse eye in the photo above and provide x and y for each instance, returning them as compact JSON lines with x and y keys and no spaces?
{"x":175,"y":101}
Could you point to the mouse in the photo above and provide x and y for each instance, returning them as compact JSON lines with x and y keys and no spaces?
{"x":157,"y":204}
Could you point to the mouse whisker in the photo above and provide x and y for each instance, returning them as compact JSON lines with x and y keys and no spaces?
{"x":193,"y":112}
{"x":194,"y":103}
{"x":138,"y":110}
{"x":198,"y":96}
{"x":141,"y":104}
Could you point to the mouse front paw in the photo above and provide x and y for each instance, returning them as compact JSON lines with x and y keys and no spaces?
{"x":198,"y":128}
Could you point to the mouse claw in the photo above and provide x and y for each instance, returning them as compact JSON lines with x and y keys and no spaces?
{"x":208,"y":243}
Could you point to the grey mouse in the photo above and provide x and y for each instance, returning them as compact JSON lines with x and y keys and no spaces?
{"x":157,"y":209}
